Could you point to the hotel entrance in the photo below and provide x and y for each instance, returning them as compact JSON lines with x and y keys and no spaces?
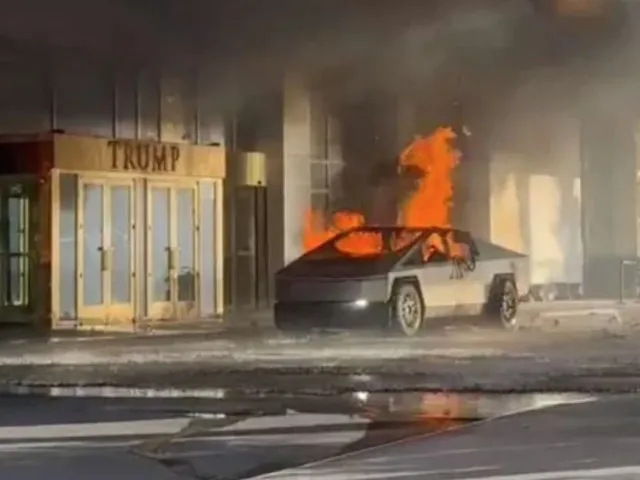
{"x":99,"y":233}
{"x":106,"y":249}
{"x":172,"y":249}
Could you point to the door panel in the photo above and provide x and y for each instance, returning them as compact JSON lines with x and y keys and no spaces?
{"x":159,"y":251}
{"x":120,"y":252}
{"x":439,"y":289}
{"x":121,"y":241}
{"x":91,"y":234}
{"x":172,"y":256}
{"x":106,"y":242}
{"x":185,"y":237}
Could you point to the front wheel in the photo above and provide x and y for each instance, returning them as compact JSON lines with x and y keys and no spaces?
{"x":407,"y":310}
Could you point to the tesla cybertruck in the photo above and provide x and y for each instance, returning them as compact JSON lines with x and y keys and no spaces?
{"x":399,"y":278}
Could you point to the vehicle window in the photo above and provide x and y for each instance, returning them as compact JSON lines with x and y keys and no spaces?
{"x":438,"y":249}
{"x":374,"y":244}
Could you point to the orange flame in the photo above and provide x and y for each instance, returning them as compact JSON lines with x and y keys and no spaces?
{"x":435,"y":157}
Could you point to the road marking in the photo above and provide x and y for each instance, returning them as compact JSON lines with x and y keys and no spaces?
{"x":627,"y":473}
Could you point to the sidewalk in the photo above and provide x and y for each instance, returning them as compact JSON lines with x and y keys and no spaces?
{"x":246,"y":353}
{"x":242,"y":323}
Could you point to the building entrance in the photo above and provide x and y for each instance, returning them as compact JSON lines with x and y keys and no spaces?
{"x":103,"y":233}
{"x":172,"y":249}
{"x":106,"y":249}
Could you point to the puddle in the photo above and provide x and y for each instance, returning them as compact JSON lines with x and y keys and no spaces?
{"x":377,"y":406}
{"x":461,"y":406}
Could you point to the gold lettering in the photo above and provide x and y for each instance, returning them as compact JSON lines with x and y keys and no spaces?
{"x":143,"y":157}
{"x":114,"y":153}
{"x":159,"y":158}
{"x":129,"y":164}
{"x":175,"y":156}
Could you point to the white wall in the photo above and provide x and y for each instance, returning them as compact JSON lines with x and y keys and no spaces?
{"x":535,"y":204}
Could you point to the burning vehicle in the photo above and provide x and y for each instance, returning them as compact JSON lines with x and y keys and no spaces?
{"x":399,"y":278}
{"x":355,"y":274}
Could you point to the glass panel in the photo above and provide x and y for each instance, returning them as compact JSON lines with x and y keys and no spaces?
{"x":92,"y":256}
{"x":207,"y":249}
{"x":16,"y":278}
{"x":16,"y":286}
{"x":186,"y":245}
{"x":160,"y":244}
{"x":68,"y":244}
{"x":16,"y":225}
{"x":121,"y":244}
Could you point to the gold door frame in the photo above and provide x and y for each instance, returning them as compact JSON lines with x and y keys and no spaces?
{"x":105,"y":313}
{"x":172,"y":309}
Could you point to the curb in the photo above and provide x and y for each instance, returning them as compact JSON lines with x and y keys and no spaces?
{"x":457,"y":405}
{"x":111,"y":392}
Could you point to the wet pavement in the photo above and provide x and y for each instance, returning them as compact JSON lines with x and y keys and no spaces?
{"x":78,"y":439}
{"x":461,"y":359}
{"x":228,"y":438}
{"x":593,"y":440}
{"x":599,"y":355}
{"x":232,"y":406}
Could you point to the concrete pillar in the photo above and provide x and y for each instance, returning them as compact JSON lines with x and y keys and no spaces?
{"x":297,"y":144}
{"x":609,"y":203}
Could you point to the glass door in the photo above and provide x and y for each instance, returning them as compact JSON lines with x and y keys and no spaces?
{"x":185,"y":250}
{"x":172,"y":258}
{"x":17,"y":244}
{"x":159,"y":252}
{"x":105,"y":249}
{"x":121,"y":244}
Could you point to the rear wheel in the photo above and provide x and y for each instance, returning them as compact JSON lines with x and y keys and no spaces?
{"x":506,"y":304}
{"x":407,"y":310}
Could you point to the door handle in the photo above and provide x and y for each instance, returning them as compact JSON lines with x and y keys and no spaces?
{"x":105,"y":258}
{"x":172,"y":258}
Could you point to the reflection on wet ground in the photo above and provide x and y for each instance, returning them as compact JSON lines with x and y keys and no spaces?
{"x":234,"y":436}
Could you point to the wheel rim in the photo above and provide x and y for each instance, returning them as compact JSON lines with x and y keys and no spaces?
{"x":508,"y":306}
{"x":409,"y":308}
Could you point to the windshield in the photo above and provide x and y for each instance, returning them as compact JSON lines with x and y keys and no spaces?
{"x":367,"y":243}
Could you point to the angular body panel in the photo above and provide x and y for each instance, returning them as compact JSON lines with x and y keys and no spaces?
{"x":291,"y":289}
{"x":352,"y":283}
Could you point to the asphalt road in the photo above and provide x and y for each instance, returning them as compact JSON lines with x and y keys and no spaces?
{"x":597,"y":440}
{"x":225,"y":439}
{"x":462,"y":359}
{"x":79,"y":439}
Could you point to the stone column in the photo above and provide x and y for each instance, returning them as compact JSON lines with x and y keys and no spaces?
{"x":297,"y":141}
{"x":609,"y":203}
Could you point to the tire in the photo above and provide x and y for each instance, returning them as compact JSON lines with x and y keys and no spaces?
{"x":407,"y":310}
{"x":506,"y":304}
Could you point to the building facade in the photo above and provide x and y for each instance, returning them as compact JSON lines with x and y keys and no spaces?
{"x":112,"y":191}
